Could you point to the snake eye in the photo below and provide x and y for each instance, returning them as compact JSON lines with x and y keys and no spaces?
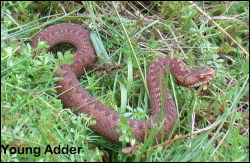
{"x":201,"y":76}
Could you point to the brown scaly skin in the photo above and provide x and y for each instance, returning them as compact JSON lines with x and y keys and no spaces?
{"x":106,"y":118}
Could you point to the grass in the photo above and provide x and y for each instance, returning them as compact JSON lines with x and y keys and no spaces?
{"x":213,"y":122}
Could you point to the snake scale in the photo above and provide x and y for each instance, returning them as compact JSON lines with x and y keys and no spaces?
{"x":73,"y":95}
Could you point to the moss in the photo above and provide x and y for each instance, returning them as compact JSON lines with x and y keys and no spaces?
{"x":171,"y":9}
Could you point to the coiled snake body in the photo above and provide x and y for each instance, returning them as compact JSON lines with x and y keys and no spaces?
{"x":75,"y":96}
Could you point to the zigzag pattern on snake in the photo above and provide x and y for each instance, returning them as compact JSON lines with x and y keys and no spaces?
{"x":75,"y":96}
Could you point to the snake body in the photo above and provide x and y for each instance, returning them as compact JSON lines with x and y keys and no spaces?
{"x":74,"y":96}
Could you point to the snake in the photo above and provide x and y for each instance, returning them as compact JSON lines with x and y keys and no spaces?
{"x":74,"y":96}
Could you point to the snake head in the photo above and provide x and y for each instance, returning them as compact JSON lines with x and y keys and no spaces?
{"x":197,"y":77}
